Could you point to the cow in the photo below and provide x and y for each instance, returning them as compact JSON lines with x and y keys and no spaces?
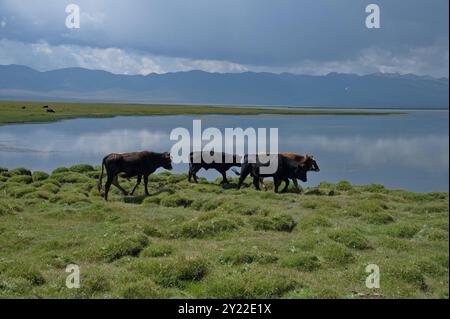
{"x":308,"y":160}
{"x":197,"y":162}
{"x":286,"y":169}
{"x":140,"y":164}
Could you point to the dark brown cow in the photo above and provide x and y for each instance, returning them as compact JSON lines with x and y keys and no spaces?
{"x":308,"y":161}
{"x":197,"y":162}
{"x":140,"y":164}
{"x":286,"y":169}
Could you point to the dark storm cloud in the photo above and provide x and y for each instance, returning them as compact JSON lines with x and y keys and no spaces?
{"x":266,"y":33}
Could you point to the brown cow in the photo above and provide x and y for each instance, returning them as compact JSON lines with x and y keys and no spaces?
{"x":307,"y":160}
{"x":140,"y":164}
{"x":286,"y":169}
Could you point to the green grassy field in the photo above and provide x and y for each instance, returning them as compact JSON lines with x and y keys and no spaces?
{"x":203,"y":240}
{"x":12,"y":112}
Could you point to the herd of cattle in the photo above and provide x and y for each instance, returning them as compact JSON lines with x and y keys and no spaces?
{"x":290,"y":166}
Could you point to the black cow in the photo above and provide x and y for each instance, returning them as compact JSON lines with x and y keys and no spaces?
{"x":197,"y":162}
{"x":140,"y":164}
{"x":286,"y":169}
{"x":308,"y":161}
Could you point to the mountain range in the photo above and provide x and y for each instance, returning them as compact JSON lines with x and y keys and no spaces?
{"x":248,"y":88}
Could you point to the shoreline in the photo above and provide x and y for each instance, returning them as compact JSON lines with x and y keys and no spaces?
{"x":11,"y":112}
{"x":6,"y":171}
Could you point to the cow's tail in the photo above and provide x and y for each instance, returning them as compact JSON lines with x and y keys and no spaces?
{"x":100,"y":179}
{"x":236,"y":172}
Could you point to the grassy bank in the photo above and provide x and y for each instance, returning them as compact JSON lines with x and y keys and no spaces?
{"x":206,"y":241}
{"x":14,"y":113}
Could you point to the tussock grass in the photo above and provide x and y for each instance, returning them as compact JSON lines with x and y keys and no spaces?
{"x":302,"y":262}
{"x":81,"y":168}
{"x":142,"y":289}
{"x":206,"y":241}
{"x":241,"y":256}
{"x":403,"y":230}
{"x":280,"y":222}
{"x":351,"y":238}
{"x":313,"y":221}
{"x":22,"y":179}
{"x":337,"y":254}
{"x":254,"y":283}
{"x":158,"y":250}
{"x":39,"y":176}
{"x":25,"y":271}
{"x":128,"y":246}
{"x":21,"y":171}
{"x":10,"y":207}
{"x":175,"y":272}
{"x":199,"y":228}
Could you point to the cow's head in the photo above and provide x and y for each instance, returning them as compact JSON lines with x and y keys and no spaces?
{"x":300,"y":172}
{"x":310,"y":163}
{"x":166,"y":161}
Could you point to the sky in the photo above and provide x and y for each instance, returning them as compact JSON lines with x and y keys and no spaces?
{"x":297,"y":36}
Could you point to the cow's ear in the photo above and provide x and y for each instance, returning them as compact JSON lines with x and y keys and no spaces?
{"x":167,"y":155}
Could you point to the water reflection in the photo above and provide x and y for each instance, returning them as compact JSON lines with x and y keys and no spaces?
{"x":401,"y":152}
{"x":428,"y":153}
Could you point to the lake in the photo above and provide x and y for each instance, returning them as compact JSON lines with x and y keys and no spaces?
{"x":401,"y":151}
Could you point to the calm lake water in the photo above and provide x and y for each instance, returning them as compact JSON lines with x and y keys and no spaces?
{"x":402,"y":151}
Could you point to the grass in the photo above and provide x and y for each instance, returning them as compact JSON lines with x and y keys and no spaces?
{"x":12,"y":112}
{"x":204,"y":241}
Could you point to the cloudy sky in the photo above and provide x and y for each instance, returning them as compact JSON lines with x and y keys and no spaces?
{"x":298,"y":36}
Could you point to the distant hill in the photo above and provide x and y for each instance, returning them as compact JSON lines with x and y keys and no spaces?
{"x":249,"y":88}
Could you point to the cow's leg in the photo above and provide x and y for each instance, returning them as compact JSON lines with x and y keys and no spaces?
{"x":297,"y":187}
{"x":138,"y":182}
{"x":256,"y":182}
{"x":146,"y":185}
{"x":115,"y":182}
{"x":108,"y":184}
{"x":245,"y":170}
{"x":224,"y":177}
{"x":194,"y":173}
{"x":276,"y":183}
{"x":190,"y":172}
{"x":286,"y":181}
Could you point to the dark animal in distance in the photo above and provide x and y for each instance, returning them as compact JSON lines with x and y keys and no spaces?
{"x":50,"y":111}
{"x":127,"y":165}
{"x":287,"y":169}
{"x":45,"y":107}
{"x":197,"y":162}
